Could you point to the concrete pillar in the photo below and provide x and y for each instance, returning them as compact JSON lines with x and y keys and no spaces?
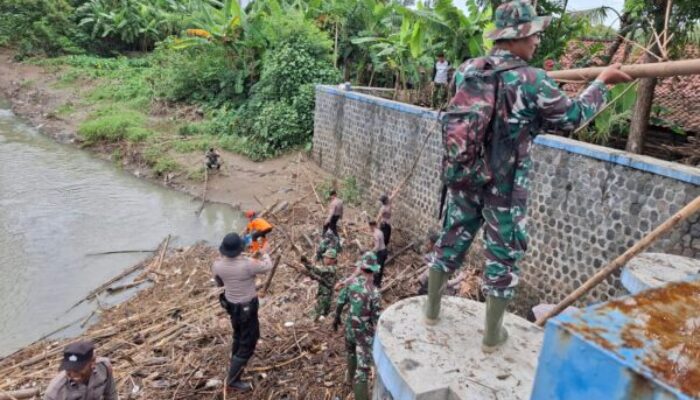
{"x":651,"y":270}
{"x":445,"y":361}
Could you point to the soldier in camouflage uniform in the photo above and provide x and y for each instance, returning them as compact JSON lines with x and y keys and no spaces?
{"x":360,"y":323}
{"x":326,"y":276}
{"x":526,"y":103}
{"x":329,"y":241}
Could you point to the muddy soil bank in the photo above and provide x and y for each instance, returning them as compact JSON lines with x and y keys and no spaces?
{"x":35,"y":96}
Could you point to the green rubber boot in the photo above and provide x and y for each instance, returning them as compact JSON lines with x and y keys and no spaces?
{"x":361,"y":390}
{"x":494,"y":332}
{"x":352,"y":366}
{"x":436,"y":282}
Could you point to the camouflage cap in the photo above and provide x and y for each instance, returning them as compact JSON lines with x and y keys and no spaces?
{"x":330,"y":253}
{"x":368,"y":262}
{"x":517,"y":19}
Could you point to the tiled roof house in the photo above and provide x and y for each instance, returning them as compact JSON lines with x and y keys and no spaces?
{"x":680,"y":96}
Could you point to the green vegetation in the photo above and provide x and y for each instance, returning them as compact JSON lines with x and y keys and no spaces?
{"x":348,"y":190}
{"x":250,"y":73}
{"x":111,"y":126}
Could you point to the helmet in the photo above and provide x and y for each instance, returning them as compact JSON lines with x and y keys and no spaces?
{"x":250,"y":214}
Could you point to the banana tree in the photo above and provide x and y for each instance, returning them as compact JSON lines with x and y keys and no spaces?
{"x":447,"y":28}
{"x":399,"y":52}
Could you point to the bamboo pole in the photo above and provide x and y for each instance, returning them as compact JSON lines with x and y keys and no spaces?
{"x":271,"y":275}
{"x":620,"y":261}
{"x":19,"y":394}
{"x":653,"y":70}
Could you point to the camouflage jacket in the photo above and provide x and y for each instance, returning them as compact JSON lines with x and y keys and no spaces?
{"x":529,"y":102}
{"x":363,"y":314}
{"x":329,"y":241}
{"x":325,"y":275}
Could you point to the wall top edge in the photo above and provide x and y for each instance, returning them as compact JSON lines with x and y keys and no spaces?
{"x":648,"y":164}
{"x":680,"y":172}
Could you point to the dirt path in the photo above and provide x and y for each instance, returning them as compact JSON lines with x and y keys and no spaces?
{"x":35,"y":96}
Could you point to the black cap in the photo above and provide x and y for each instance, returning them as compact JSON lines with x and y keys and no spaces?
{"x":77,"y":355}
{"x":232,"y":245}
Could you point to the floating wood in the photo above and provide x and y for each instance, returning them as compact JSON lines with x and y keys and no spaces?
{"x":652,"y":70}
{"x":120,"y":252}
{"x":620,"y":261}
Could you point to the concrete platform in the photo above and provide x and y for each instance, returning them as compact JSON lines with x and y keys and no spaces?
{"x":445,"y":361}
{"x":650,"y":270}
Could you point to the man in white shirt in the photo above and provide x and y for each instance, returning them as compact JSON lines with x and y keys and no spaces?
{"x":441,"y":72}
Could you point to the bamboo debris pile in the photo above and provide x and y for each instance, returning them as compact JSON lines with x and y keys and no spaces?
{"x":172,"y":340}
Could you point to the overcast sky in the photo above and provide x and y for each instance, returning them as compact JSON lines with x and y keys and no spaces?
{"x":582,"y":5}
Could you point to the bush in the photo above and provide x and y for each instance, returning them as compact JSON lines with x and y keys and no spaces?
{"x":38,"y":27}
{"x":279,"y":114}
{"x":110,"y":127}
{"x":201,"y":74}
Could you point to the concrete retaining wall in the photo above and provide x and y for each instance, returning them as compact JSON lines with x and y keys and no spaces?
{"x":587,"y":203}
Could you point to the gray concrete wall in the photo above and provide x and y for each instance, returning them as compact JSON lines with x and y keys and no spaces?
{"x":587,"y":203}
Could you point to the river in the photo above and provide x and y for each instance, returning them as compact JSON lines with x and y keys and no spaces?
{"x":59,"y":203}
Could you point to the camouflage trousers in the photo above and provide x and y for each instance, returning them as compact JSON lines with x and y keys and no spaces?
{"x":439,"y":98}
{"x":323,"y":304}
{"x":359,"y":348}
{"x":500,"y":209}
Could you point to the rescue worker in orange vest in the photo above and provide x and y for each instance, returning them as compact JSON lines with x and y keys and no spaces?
{"x":256,"y":231}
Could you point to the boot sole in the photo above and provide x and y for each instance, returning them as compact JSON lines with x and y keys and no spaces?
{"x":491,"y":349}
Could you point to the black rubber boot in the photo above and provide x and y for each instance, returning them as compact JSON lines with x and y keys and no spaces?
{"x":436,"y":282}
{"x":233,"y":382}
{"x":495,"y":335}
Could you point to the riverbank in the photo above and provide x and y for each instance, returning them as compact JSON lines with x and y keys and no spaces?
{"x":179,"y":348}
{"x":57,"y":102}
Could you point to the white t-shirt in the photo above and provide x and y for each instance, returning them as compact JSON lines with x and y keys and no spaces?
{"x":441,"y":69}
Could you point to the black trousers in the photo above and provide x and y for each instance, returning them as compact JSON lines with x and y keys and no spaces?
{"x":246,"y":332}
{"x":381,"y":259}
{"x":333,"y":224}
{"x":386,"y":230}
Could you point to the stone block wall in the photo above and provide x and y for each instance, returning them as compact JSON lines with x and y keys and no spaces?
{"x":587,"y":203}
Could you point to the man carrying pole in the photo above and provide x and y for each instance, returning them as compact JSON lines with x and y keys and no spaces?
{"x":236,"y":273}
{"x":326,"y":275}
{"x":500,"y":104}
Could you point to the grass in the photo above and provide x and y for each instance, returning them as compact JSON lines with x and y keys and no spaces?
{"x":65,"y":109}
{"x":110,"y":125}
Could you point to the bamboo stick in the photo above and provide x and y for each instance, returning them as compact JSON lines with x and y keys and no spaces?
{"x":204,"y":192}
{"x":620,"y":261}
{"x":19,"y":394}
{"x":271,"y":275}
{"x":652,"y":70}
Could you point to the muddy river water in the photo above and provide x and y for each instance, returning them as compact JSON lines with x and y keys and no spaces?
{"x":57,"y":205}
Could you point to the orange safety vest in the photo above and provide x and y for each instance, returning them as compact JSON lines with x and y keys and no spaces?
{"x":259,"y":225}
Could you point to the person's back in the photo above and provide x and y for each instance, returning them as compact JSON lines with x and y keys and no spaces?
{"x":503,"y":103}
{"x":363,"y":301}
{"x":238,"y":276}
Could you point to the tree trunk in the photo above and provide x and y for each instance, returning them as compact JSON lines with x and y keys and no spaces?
{"x":335,"y":48}
{"x":640,"y":115}
{"x":645,"y":92}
